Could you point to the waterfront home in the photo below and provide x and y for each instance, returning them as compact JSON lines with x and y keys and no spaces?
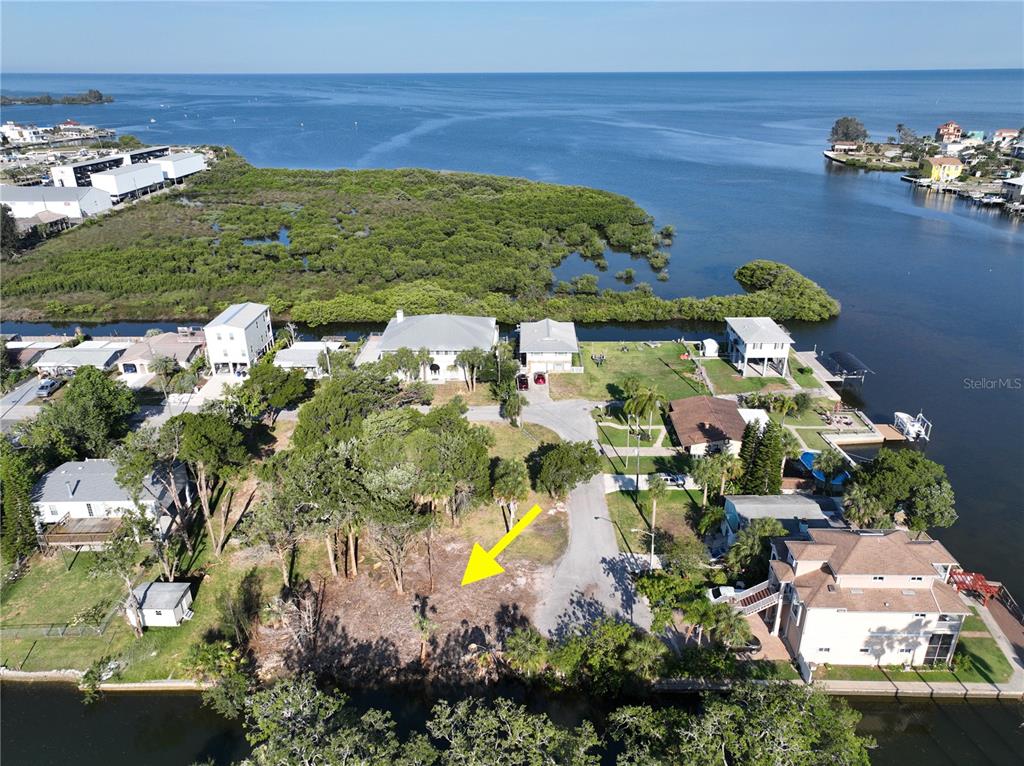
{"x":704,"y":425}
{"x":182,"y":346}
{"x":305,"y":355}
{"x":23,"y":353}
{"x":237,"y":337}
{"x":948,"y":131}
{"x":863,"y":597}
{"x":941,"y":169}
{"x":100,"y":354}
{"x":442,"y":335}
{"x":547,"y":345}
{"x":1004,"y":136}
{"x":28,"y":202}
{"x":83,"y":498}
{"x":1012,"y":189}
{"x":797,"y":513}
{"x":757,"y":346}
{"x":178,"y":165}
{"x":844,"y":146}
{"x":129,"y":180}
{"x":164,"y":604}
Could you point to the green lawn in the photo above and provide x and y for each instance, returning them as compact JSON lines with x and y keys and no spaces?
{"x":813,"y":439}
{"x":989,"y":666}
{"x":775,"y":669}
{"x":674,"y":512}
{"x":511,"y":442}
{"x":618,"y":437}
{"x":974,"y":624}
{"x":619,"y":462}
{"x":661,"y":367}
{"x":725,"y":379}
{"x":803,"y":379}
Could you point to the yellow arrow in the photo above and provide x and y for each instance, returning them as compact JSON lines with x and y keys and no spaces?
{"x":482,"y":564}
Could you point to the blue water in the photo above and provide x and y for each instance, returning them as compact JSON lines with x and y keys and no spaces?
{"x":932,"y":288}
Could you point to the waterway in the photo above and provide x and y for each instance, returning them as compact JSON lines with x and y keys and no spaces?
{"x":932,"y":288}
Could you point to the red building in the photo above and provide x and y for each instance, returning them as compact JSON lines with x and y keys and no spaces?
{"x":949,"y":132}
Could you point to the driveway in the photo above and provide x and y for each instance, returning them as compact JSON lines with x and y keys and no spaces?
{"x":14,"y":404}
{"x":591,"y":580}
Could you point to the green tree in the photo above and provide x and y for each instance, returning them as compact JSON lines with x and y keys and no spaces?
{"x":748,"y":451}
{"x":848,"y":129}
{"x":17,"y":478}
{"x":226,"y":669}
{"x":510,"y":487}
{"x":471,"y":361}
{"x":831,"y":462}
{"x":9,"y":237}
{"x":749,"y":554}
{"x":566,"y":465}
{"x":212,"y":448}
{"x":728,"y":626}
{"x":705,"y":473}
{"x":506,"y":734}
{"x":657,"y":488}
{"x":908,"y":483}
{"x":121,"y":555}
{"x":667,"y":592}
{"x":526,"y":651}
{"x":164,"y":367}
{"x":862,"y":509}
{"x":770,"y":458}
{"x":394,"y":520}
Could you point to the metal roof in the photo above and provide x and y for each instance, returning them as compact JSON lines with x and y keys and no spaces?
{"x":846,"y":363}
{"x":161,"y":595}
{"x":45,"y":193}
{"x":126,"y":169}
{"x":80,"y":357}
{"x":802,"y":507}
{"x":547,"y":336}
{"x":304,"y":353}
{"x":239,"y":315}
{"x":758,"y":330}
{"x":91,"y":481}
{"x":439,"y":332}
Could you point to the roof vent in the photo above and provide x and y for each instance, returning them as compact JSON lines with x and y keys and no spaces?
{"x":399,"y":315}
{"x":857,"y":591}
{"x":831,"y":588}
{"x":909,"y":592}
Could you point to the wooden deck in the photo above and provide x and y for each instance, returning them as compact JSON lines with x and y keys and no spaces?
{"x":77,"y":533}
{"x":890,"y":434}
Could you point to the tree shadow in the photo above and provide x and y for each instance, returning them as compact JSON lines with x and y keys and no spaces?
{"x":582,"y":613}
{"x":624,"y":588}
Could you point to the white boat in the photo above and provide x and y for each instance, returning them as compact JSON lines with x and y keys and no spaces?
{"x":913,"y":427}
{"x":152,"y":120}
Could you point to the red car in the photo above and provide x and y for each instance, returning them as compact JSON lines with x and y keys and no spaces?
{"x":522,"y":382}
{"x":539,"y":379}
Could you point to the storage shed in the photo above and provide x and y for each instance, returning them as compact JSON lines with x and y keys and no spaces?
{"x":164,"y":604}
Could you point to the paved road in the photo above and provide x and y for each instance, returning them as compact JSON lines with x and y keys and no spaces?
{"x":591,"y":579}
{"x":14,"y":405}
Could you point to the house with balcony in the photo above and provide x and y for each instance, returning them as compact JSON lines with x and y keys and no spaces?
{"x":941,"y":169}
{"x":548,"y":345}
{"x":237,"y":337}
{"x":444,"y":336}
{"x":757,"y":346}
{"x":948,"y":131}
{"x":859,"y":597}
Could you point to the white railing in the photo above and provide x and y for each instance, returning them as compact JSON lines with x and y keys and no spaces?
{"x":763,"y":604}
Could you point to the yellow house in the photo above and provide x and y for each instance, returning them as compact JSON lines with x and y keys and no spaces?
{"x":941,"y":169}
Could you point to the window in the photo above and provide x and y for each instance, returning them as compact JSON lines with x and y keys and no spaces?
{"x":919,"y":614}
{"x":877,"y":578}
{"x":231,"y":336}
{"x":939,"y":648}
{"x":53,"y":510}
{"x":917,"y":578}
{"x":157,"y":611}
{"x":946,"y":618}
{"x":906,"y":651}
{"x":88,"y":508}
{"x":864,"y":650}
{"x":218,"y":336}
{"x":824,"y":649}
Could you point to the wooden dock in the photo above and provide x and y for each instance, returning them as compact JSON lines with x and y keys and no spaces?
{"x":890,"y":434}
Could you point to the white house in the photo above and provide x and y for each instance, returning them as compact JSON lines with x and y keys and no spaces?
{"x":128,"y":180}
{"x":80,"y":173}
{"x":862,"y":597}
{"x":92,"y":353}
{"x":1013,"y":189}
{"x":443,"y":335}
{"x":178,"y":165}
{"x":87,"y":490}
{"x":548,"y":346}
{"x":21,"y":134}
{"x":796,"y":513}
{"x":75,"y":203}
{"x":238,"y":336}
{"x":164,"y":604}
{"x":305,"y":355}
{"x":757,"y":346}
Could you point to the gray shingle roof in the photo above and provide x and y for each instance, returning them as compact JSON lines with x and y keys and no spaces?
{"x":547,"y":336}
{"x":92,"y":481}
{"x":439,"y":332}
{"x":239,"y":315}
{"x":758,"y":330}
{"x":41,"y":193}
{"x":161,"y":595}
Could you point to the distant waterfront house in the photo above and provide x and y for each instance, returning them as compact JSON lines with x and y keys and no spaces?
{"x":757,"y":346}
{"x":1012,"y":189}
{"x":82,"y":497}
{"x":547,"y":345}
{"x":178,"y":165}
{"x":305,"y":355}
{"x":128,"y":180}
{"x":797,"y":513}
{"x":864,"y":598}
{"x":1005,"y":136}
{"x":183,"y":347}
{"x":443,"y":335}
{"x":76,"y":203}
{"x":91,"y":353}
{"x":941,"y":169}
{"x":705,"y":425}
{"x":164,"y":604}
{"x":237,"y":337}
{"x":948,"y":131}
{"x":845,"y":146}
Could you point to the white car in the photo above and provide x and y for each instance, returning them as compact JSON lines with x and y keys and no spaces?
{"x":721,"y":594}
{"x":47,"y":387}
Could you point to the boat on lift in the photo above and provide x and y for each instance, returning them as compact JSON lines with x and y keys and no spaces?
{"x":914,"y":428}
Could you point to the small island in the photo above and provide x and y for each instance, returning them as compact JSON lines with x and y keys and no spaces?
{"x":91,"y":96}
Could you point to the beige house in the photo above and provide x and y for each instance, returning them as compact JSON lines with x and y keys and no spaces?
{"x":863,"y":597}
{"x":183,"y":346}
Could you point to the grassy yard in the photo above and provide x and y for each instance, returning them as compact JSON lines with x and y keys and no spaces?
{"x":813,"y":439}
{"x":511,"y":442}
{"x":619,"y":462}
{"x":725,"y":379}
{"x":989,"y":666}
{"x":445,"y":392}
{"x":803,"y":379}
{"x":608,"y":433}
{"x":973,"y":623}
{"x":675,"y":378}
{"x":49,"y":593}
{"x":674,"y":512}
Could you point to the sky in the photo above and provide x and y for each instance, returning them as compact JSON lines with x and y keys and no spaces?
{"x":307,"y":37}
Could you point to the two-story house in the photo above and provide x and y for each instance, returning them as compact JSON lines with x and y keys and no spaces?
{"x":444,"y":336}
{"x":238,"y":336}
{"x":757,"y":346}
{"x":548,"y":345}
{"x":864,"y":597}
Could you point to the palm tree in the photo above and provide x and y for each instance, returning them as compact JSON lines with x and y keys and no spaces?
{"x":512,"y":407}
{"x":791,"y":447}
{"x":861,"y":508}
{"x":656,"y":489}
{"x":705,"y":473}
{"x":728,"y":626}
{"x":831,"y":462}
{"x":698,"y":614}
{"x":644,"y":402}
{"x":728,"y":467}
{"x":784,"y":405}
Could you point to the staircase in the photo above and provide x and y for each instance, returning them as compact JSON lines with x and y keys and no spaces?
{"x":757,"y":599}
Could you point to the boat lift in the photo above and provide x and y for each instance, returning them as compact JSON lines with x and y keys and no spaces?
{"x":846,"y":367}
{"x":913,"y":427}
